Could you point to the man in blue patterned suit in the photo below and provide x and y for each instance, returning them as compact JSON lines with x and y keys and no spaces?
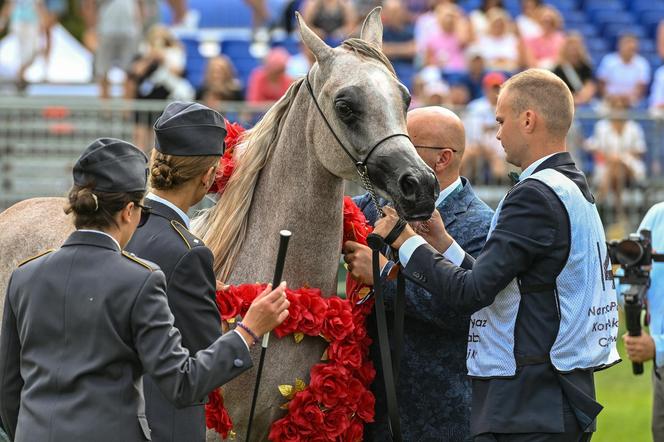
{"x":433,"y":389}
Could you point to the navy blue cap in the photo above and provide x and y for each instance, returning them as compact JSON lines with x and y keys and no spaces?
{"x":112,"y":165}
{"x":190,"y":129}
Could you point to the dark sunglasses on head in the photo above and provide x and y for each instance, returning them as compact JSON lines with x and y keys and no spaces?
{"x":145,"y":214}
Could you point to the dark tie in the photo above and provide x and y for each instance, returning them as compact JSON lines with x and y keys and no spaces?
{"x":514,"y":177}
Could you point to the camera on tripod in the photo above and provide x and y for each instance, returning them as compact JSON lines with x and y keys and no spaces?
{"x":635,"y":257}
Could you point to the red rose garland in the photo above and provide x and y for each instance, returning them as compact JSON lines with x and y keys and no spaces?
{"x":337,"y":402}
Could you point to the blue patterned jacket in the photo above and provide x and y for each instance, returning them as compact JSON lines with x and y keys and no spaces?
{"x":433,"y":390}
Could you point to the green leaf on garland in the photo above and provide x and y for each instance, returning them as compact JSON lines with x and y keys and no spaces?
{"x":298,"y":337}
{"x":287,"y":391}
{"x":299,"y":385}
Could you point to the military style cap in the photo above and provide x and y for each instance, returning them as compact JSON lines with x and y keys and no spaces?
{"x":190,"y":129}
{"x":112,"y":166}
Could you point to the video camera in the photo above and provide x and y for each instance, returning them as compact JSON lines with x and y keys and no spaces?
{"x":635,"y":257}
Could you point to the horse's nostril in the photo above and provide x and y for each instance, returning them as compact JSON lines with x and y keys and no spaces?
{"x":409,"y":185}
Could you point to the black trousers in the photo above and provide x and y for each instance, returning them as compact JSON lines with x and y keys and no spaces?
{"x":573,"y":433}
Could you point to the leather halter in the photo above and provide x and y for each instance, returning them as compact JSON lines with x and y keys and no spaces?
{"x":360,"y":164}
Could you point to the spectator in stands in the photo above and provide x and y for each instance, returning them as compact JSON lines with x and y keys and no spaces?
{"x":117,"y":27}
{"x":53,"y":12}
{"x":660,"y":39}
{"x":499,"y":46}
{"x":482,"y":147}
{"x":156,"y":74}
{"x":618,"y":145}
{"x":259,"y":13}
{"x":625,"y":72}
{"x":444,"y":46}
{"x":25,"y":19}
{"x":299,"y":64}
{"x":527,"y":22}
{"x":398,"y":32}
{"x":657,"y":92}
{"x":475,"y":73}
{"x":220,"y":83}
{"x":270,"y":81}
{"x":575,"y":69}
{"x":330,"y":19}
{"x":427,"y":22}
{"x":479,"y":18}
{"x":542,"y":51}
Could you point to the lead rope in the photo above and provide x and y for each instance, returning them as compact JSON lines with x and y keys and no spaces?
{"x":366,"y":182}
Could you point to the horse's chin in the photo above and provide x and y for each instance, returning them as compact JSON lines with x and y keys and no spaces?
{"x":415,"y":212}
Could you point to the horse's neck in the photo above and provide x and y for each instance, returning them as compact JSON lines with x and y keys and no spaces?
{"x":295,"y":192}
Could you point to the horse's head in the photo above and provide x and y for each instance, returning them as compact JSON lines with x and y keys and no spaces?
{"x":364,"y":103}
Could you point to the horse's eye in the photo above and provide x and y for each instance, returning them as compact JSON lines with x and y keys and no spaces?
{"x":343,"y":109}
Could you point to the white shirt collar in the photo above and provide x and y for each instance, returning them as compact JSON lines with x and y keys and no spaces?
{"x":179,"y":211}
{"x":447,"y":191}
{"x":530,"y":169}
{"x":102,"y":233}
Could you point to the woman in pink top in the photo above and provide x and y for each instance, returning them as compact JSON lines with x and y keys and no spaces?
{"x":543,"y":50}
{"x":270,"y":81}
{"x":444,"y":46}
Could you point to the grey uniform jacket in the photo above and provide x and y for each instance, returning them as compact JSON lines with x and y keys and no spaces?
{"x":190,"y":289}
{"x":81,"y":325}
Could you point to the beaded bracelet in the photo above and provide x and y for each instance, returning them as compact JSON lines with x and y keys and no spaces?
{"x":250,"y":331}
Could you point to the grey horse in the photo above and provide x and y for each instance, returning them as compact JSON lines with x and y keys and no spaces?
{"x":289,"y":175}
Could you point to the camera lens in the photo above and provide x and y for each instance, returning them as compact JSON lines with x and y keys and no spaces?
{"x":629,"y":252}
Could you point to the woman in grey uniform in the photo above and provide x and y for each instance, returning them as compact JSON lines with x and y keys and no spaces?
{"x":82,"y":324}
{"x":189,"y":144}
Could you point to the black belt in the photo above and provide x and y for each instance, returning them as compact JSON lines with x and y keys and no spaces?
{"x":389,"y":360}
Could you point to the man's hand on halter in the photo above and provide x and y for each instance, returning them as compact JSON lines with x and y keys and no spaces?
{"x":358,"y":262}
{"x":385,"y":225}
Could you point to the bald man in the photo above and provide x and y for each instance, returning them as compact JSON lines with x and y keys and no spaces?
{"x":433,"y":389}
{"x":541,"y":291}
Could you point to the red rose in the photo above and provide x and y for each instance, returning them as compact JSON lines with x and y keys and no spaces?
{"x":233,"y":134}
{"x":284,"y":430}
{"x":247,"y":293}
{"x":337,"y":420}
{"x":367,"y":406}
{"x":356,"y":227}
{"x":216,"y":416}
{"x":228,"y":303}
{"x":338,"y":321}
{"x":346,"y":353}
{"x":355,"y":392}
{"x":313,"y":311}
{"x":355,"y":432}
{"x":366,"y":373}
{"x":329,"y":384}
{"x":305,"y":413}
{"x":295,"y":310}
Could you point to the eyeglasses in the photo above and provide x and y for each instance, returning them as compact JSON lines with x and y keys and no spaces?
{"x":435,"y":147}
{"x":145,"y":214}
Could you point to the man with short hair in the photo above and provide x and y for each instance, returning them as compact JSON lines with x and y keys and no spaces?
{"x":541,"y":291}
{"x":430,"y":337}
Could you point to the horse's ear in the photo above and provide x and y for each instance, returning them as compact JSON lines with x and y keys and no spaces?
{"x":312,"y":41}
{"x":372,"y":28}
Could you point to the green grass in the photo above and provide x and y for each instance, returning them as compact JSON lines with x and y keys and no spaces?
{"x":627,"y":401}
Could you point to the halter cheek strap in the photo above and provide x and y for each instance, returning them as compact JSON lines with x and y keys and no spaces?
{"x":360,"y":164}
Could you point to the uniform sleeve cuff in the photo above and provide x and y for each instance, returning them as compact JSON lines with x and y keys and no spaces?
{"x":455,"y":254}
{"x":241,"y":337}
{"x":408,"y":248}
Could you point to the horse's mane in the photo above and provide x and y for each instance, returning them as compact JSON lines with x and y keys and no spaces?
{"x":223,"y":228}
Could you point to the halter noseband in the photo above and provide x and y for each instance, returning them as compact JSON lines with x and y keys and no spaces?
{"x":360,"y":164}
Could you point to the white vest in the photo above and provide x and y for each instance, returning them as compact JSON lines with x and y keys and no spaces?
{"x":585,"y":294}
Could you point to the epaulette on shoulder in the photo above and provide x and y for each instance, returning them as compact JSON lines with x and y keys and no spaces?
{"x":133,"y":257}
{"x":189,"y":238}
{"x":39,"y":255}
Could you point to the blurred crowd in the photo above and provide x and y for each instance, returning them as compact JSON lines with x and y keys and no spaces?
{"x":447,"y":56}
